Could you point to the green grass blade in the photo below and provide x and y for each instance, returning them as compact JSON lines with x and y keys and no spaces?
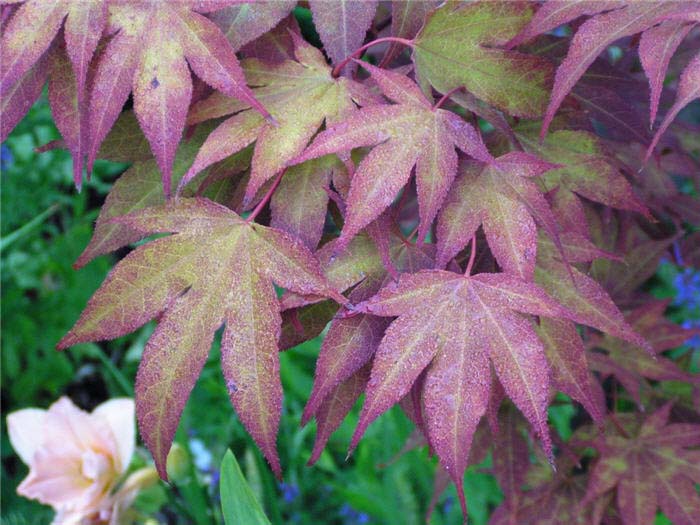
{"x":238,"y":502}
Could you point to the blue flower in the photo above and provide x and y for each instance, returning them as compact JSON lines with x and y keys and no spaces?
{"x":289,"y":492}
{"x":687,"y":285}
{"x":447,"y":506}
{"x":202,"y":457}
{"x":352,"y":516}
{"x":6,"y":157}
{"x":693,"y":342}
{"x":215,"y":478}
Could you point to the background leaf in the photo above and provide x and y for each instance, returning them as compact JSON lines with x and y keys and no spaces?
{"x":238,"y":502}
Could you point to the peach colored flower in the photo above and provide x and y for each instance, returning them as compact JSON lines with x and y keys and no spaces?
{"x":76,"y":459}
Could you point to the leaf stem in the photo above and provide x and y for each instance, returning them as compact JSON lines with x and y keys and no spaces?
{"x":618,"y":425}
{"x":472,"y":257}
{"x":265,"y":199}
{"x":444,"y":98}
{"x":338,"y":68}
{"x":412,"y":234}
{"x":110,"y":367}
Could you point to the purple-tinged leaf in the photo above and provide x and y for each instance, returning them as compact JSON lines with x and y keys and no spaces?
{"x":162,"y":91}
{"x":688,"y":90}
{"x":570,"y":374}
{"x":459,"y":46}
{"x":335,"y":407}
{"x":555,"y":13}
{"x":154,"y":47}
{"x":407,"y":17}
{"x":342,"y":25}
{"x":26,"y":37}
{"x":648,"y":471}
{"x":502,"y":199}
{"x":21,"y":96}
{"x":279,"y":87}
{"x":299,"y":203}
{"x":243,"y":23}
{"x":656,"y":47}
{"x":405,"y":134}
{"x":599,"y":32}
{"x":437,"y":312}
{"x":66,"y":109}
{"x":177,"y":275}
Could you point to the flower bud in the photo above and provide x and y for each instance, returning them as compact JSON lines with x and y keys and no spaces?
{"x":178,"y":463}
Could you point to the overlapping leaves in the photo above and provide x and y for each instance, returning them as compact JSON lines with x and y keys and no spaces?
{"x":655,"y":464}
{"x":406,"y":134}
{"x":198,"y":293}
{"x":558,"y":232}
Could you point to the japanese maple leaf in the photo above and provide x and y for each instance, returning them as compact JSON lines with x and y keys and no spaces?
{"x":630,"y":364}
{"x":459,"y":46}
{"x":137,"y":188}
{"x":658,"y":182}
{"x":458,"y":326}
{"x":614,"y":20}
{"x":652,"y":466}
{"x":21,"y":96}
{"x":502,"y":197}
{"x":571,"y":375}
{"x":587,"y":170}
{"x":622,"y":278}
{"x":153,"y":47}
{"x":299,"y":204}
{"x":342,"y":25}
{"x":407,"y":18}
{"x":279,"y":87}
{"x":688,"y":90}
{"x":216,"y":269}
{"x":28,"y":36}
{"x":244,"y":22}
{"x":551,"y":498}
{"x":351,"y":342}
{"x":34,"y":26}
{"x":406,"y":134}
{"x":581,"y":294}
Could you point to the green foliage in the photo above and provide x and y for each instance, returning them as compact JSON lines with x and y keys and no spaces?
{"x":238,"y":502}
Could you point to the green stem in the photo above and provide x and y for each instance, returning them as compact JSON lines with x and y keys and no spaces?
{"x":28,"y":227}
{"x":117,"y":374}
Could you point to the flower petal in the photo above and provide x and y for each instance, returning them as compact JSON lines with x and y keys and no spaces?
{"x":119,"y":415}
{"x":26,"y":430}
{"x":54,"y":480}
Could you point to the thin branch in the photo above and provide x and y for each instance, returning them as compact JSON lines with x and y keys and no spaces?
{"x":357,"y":54}
{"x":472,"y":257}
{"x":265,"y":199}
{"x":444,"y":98}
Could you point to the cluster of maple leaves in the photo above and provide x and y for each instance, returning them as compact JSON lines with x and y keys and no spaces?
{"x":476,"y":222}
